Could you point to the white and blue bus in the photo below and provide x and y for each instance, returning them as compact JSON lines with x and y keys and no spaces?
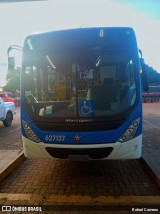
{"x":81,"y":94}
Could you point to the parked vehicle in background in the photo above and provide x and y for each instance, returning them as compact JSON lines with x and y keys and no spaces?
{"x":8,"y":97}
{"x":153,"y":95}
{"x":7,"y":110}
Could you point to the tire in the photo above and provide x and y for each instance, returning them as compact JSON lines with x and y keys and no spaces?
{"x":157,"y":99}
{"x":148,"y":99}
{"x":8,"y":120}
{"x":154,"y":99}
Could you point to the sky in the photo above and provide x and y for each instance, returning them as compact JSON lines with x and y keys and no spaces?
{"x":17,"y":20}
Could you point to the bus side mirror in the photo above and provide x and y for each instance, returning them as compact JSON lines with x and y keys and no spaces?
{"x":144,"y":76}
{"x":11,"y":60}
{"x":11,"y":63}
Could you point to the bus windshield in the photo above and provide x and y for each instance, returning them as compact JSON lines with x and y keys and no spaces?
{"x":79,"y":83}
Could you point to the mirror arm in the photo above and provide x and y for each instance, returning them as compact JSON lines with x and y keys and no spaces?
{"x":14,"y":47}
{"x":11,"y":60}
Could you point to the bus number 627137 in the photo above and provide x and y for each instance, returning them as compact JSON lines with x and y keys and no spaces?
{"x":55,"y":138}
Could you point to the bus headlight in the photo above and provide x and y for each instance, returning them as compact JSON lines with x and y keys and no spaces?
{"x":30,"y":133}
{"x":130,"y":132}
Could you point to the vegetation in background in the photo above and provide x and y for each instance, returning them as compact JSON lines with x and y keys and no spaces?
{"x":13,"y":80}
{"x":153,"y":76}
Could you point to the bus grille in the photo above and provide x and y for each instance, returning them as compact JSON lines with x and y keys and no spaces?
{"x":93,"y":153}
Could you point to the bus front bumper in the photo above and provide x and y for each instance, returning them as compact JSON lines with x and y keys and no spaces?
{"x":127,"y":150}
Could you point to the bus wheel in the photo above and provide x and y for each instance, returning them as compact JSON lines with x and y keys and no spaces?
{"x":148,"y":99}
{"x":8,"y":120}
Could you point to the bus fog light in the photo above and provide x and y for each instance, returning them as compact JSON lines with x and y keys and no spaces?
{"x":130,"y":132}
{"x":30,"y":133}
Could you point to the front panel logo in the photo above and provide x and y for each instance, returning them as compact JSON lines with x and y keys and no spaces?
{"x":77,"y":138}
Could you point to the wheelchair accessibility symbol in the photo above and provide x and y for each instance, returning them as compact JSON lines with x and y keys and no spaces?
{"x":87,"y":107}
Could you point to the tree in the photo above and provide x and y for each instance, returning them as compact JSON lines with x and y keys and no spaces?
{"x":153,"y":76}
{"x":13,"y":80}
